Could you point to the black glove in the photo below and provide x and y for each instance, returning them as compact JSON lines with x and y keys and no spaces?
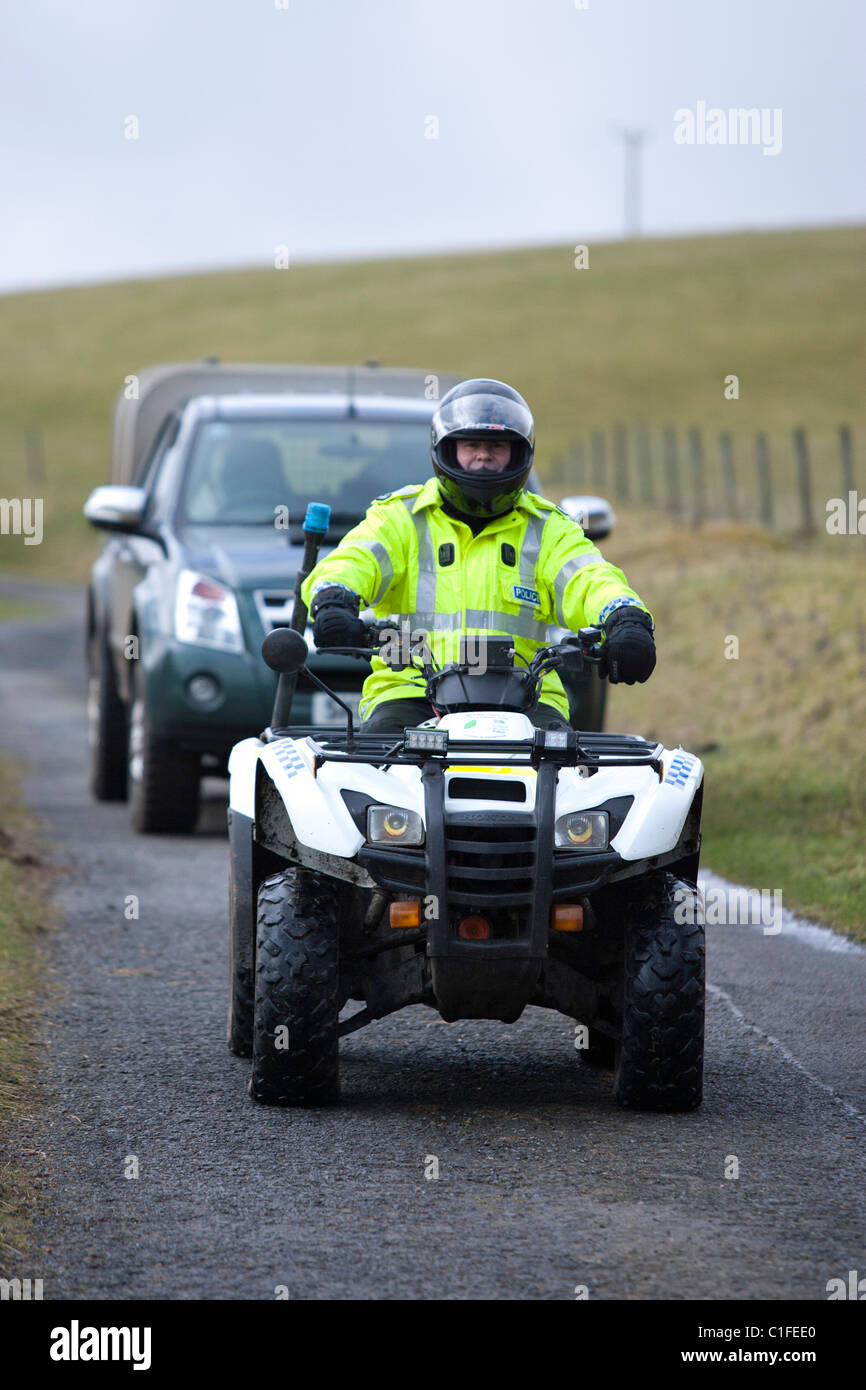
{"x":335,"y":619}
{"x":629,"y":651}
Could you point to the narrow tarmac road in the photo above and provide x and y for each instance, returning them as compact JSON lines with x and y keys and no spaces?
{"x":544,"y":1184}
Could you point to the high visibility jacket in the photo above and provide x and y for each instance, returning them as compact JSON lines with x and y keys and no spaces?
{"x":524,"y":572}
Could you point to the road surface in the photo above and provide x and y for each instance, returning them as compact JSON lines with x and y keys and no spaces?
{"x":544,"y":1184}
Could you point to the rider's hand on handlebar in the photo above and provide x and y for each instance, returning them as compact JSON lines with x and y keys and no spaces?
{"x":629,"y":651}
{"x":335,"y":619}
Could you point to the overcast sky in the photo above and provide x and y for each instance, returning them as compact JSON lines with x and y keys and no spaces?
{"x":308,"y":126}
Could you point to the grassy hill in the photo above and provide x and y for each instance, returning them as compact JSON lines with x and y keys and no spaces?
{"x":648,"y":332}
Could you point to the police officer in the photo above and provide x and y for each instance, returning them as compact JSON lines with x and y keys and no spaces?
{"x":471,"y":552}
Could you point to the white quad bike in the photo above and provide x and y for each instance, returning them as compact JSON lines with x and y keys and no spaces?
{"x":475,"y":864}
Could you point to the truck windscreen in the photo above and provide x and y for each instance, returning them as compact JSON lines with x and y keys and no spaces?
{"x":244,"y":470}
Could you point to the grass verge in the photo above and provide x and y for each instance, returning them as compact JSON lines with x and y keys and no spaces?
{"x":762,"y":672}
{"x":24,"y":920}
{"x":18,"y":610}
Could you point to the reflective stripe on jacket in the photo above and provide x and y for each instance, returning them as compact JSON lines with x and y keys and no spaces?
{"x":525,"y":572}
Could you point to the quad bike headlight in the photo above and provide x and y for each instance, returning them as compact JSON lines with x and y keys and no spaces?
{"x":392,"y":825}
{"x":582,"y":830}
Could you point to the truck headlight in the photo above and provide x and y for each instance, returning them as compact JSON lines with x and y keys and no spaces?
{"x":206,"y":614}
{"x":582,"y":830}
{"x":393,"y":825}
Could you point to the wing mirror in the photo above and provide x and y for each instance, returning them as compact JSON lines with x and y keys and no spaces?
{"x":116,"y":508}
{"x":284,"y":650}
{"x":594,"y":514}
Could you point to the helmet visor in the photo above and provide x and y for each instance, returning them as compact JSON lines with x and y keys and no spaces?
{"x":483,"y":415}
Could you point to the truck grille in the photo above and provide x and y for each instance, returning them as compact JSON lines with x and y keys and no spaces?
{"x":274,"y":607}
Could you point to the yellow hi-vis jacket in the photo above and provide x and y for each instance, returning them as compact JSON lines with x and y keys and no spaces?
{"x":524,"y":572}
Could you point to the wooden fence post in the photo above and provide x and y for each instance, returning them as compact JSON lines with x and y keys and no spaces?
{"x":765,"y":490}
{"x":578,"y":460}
{"x":804,"y":481}
{"x":729,"y":475}
{"x":599,"y":468}
{"x":620,"y":462}
{"x":643,"y":453}
{"x":696,"y":454}
{"x":35,"y":456}
{"x":672,"y":471}
{"x":846,"y":460}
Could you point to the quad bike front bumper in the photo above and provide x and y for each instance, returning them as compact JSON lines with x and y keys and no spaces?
{"x":488,"y":861}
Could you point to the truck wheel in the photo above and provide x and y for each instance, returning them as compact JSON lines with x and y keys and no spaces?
{"x":661,"y":1055}
{"x":242,"y":985}
{"x":107,"y":727}
{"x":164,"y":780}
{"x":295,"y":1038}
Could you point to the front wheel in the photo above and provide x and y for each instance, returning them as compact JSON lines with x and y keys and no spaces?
{"x":295,"y":1034}
{"x":107,"y":726}
{"x":164,"y":779}
{"x":661,"y":1055}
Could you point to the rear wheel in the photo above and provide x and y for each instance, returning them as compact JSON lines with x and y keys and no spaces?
{"x":295,"y":1036}
{"x":242,"y":931}
{"x":107,"y":726}
{"x":661,"y":1054}
{"x":164,"y":779}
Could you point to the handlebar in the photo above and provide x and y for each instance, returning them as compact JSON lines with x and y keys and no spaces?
{"x":473,"y":683}
{"x":576,"y":650}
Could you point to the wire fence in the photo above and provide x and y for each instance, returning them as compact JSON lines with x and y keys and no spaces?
{"x":800,"y":481}
{"x":790,"y":482}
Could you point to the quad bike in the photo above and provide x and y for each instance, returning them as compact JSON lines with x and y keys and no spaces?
{"x":475,"y":864}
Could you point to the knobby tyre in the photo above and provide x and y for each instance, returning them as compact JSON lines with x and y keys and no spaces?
{"x":661,"y":1053}
{"x":242,"y":983}
{"x":295,"y":1034}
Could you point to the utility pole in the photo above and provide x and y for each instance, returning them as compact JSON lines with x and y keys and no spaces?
{"x":633,"y":142}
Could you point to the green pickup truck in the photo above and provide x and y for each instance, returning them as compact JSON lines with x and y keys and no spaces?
{"x":212,"y":468}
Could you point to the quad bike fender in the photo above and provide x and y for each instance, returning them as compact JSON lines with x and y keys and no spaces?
{"x":318,"y":815}
{"x":655,"y":823}
{"x":243,"y":761}
{"x":659,"y":810}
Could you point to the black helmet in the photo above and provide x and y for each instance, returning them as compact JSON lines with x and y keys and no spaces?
{"x":482,"y":409}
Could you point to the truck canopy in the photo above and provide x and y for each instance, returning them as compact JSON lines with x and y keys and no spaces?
{"x":161,"y":389}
